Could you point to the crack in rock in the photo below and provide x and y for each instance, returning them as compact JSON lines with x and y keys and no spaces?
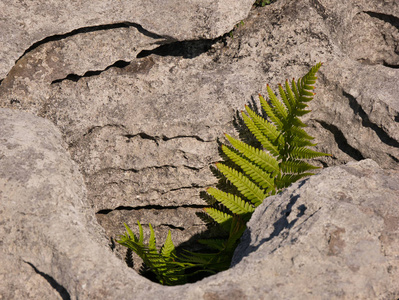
{"x":148,"y":207}
{"x":184,"y":49}
{"x":57,"y":37}
{"x":391,"y":19}
{"x":358,"y":110}
{"x":54,"y":284}
{"x":341,"y":141}
{"x":120,"y":64}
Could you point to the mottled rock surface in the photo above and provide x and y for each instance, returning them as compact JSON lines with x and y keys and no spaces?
{"x":333,"y":236}
{"x":25,"y":24}
{"x":140,"y":112}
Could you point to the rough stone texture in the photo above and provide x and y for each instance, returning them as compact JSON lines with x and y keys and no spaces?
{"x":143,"y":130}
{"x":25,"y":23}
{"x":51,"y":245}
{"x":333,"y":236}
{"x":140,"y":112}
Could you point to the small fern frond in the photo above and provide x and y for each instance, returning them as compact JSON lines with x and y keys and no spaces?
{"x":217,"y":215}
{"x":289,"y":104}
{"x":168,"y":248}
{"x":296,"y":166}
{"x":265,"y":161}
{"x":257,"y":174}
{"x":248,"y":189}
{"x":234,"y":203}
{"x":268,"y":129}
{"x":305,"y":153}
{"x":276,"y":108}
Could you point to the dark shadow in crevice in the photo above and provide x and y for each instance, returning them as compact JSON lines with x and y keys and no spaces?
{"x":342,"y":141}
{"x":184,"y":49}
{"x":358,"y":110}
{"x":57,"y":37}
{"x":75,"y":78}
{"x":54,"y":284}
{"x":394,"y":21}
{"x":385,"y":64}
{"x":146,"y":207}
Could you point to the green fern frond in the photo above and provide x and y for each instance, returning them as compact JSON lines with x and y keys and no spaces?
{"x":234,"y":203}
{"x":265,"y":161}
{"x":168,"y":247}
{"x":296,"y":166}
{"x":258,"y":175}
{"x":217,"y":215}
{"x":259,"y":135}
{"x":305,"y":153}
{"x":247,"y":177}
{"x":248,"y":189}
{"x":278,"y":113}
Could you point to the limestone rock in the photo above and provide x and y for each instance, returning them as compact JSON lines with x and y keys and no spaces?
{"x":334,"y":235}
{"x":51,"y":245}
{"x":142,"y":119}
{"x":25,"y":24}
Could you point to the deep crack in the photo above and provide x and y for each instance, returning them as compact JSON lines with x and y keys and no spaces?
{"x":358,"y":110}
{"x":54,"y":284}
{"x":342,"y":141}
{"x":75,"y":78}
{"x":394,"y":21}
{"x":184,"y":49}
{"x":147,"y":207}
{"x":57,"y":37}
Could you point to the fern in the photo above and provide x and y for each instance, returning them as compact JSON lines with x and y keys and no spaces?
{"x":163,"y":263}
{"x":254,"y":173}
{"x":259,"y":173}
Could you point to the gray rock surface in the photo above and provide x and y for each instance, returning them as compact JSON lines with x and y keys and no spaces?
{"x":332,"y":236}
{"x":140,"y":113}
{"x":26,"y":24}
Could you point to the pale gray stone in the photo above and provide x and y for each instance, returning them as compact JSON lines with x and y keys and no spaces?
{"x":23,"y":24}
{"x":332,"y":236}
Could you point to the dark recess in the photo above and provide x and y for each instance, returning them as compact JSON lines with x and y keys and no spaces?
{"x":358,"y":110}
{"x":394,"y":21}
{"x":54,"y":284}
{"x":185,"y":49}
{"x":341,"y":141}
{"x":158,"y":207}
{"x":73,"y":77}
{"x":58,"y":37}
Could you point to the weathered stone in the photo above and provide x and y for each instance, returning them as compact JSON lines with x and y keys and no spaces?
{"x":25,"y":24}
{"x":143,"y":130}
{"x":142,"y":122}
{"x":334,"y":235}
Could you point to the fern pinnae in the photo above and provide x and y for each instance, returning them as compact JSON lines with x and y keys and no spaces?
{"x":305,"y":153}
{"x":296,"y":166}
{"x":168,"y":246}
{"x":270,"y":112}
{"x":250,"y":169}
{"x":286,"y":99}
{"x":258,"y":156}
{"x":234,"y":203}
{"x":246,"y":187}
{"x":279,"y":110}
{"x":266,"y":128}
{"x":219,"y":216}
